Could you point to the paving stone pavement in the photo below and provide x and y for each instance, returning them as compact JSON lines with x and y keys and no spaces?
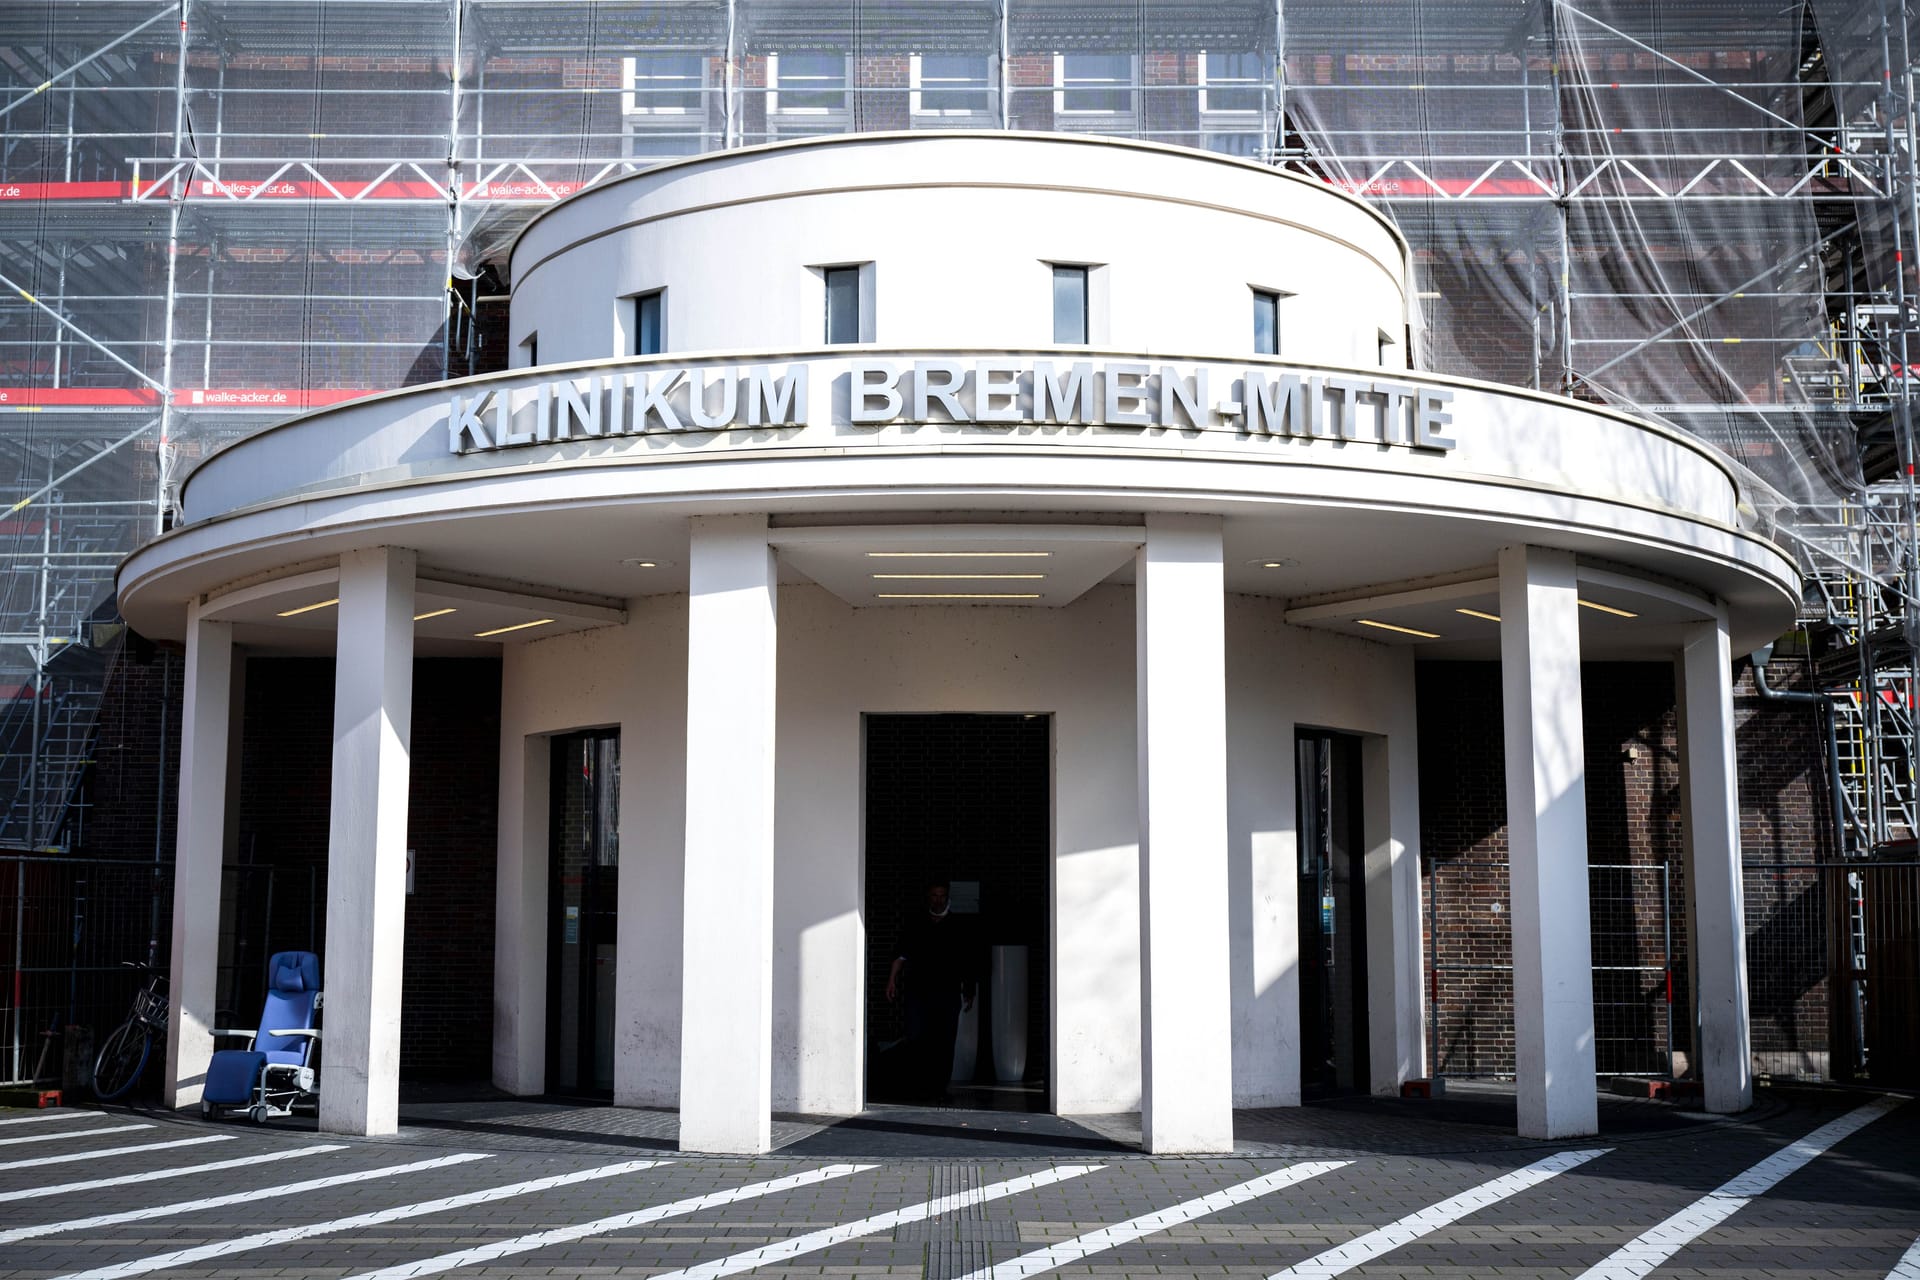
{"x":491,"y":1186}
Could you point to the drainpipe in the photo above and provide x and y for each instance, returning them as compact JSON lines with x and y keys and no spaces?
{"x":1770,"y":694}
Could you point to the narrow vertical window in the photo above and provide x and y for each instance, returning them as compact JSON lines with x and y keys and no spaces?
{"x":648,"y":316}
{"x":530,"y":346}
{"x":843,"y":304}
{"x":1387,"y":344}
{"x":1266,"y":323}
{"x":1070,"y":304}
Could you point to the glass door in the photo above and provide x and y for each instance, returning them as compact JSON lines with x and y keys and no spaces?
{"x":583,"y":892}
{"x":1333,"y":882}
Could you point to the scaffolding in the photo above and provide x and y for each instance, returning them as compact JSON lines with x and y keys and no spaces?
{"x":218,"y":213}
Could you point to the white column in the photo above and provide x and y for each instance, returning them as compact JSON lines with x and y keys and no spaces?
{"x":1547,"y":843}
{"x":367,"y":843}
{"x":205,"y":711}
{"x":1389,"y":796}
{"x":1186,"y":1000}
{"x":726,"y":1010}
{"x":1710,"y":805}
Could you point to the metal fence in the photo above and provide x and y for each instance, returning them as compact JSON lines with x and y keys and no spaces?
{"x":68,"y":924}
{"x":1833,"y":963}
{"x":1470,"y":969}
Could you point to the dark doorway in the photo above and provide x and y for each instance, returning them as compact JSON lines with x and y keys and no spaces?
{"x":1333,"y":918}
{"x":582,"y":894}
{"x":967,"y":800}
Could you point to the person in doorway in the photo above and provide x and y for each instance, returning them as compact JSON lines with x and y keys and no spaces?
{"x":934,"y":969}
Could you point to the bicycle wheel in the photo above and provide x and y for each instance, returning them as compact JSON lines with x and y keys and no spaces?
{"x":122,"y":1058}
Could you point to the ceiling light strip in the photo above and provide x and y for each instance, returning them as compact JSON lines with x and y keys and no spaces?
{"x":958,"y":595}
{"x":960,"y":555}
{"x":518,"y":626}
{"x":1475,"y":613}
{"x":957,"y":577}
{"x":1607,"y":608}
{"x":309,"y":608}
{"x":1405,"y":631}
{"x":434,"y":613}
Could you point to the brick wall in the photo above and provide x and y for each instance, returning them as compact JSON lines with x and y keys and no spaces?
{"x":1634,"y":835}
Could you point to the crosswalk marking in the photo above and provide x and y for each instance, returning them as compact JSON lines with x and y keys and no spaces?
{"x":43,"y":1116}
{"x":601,"y":1226}
{"x":71,"y":1133}
{"x":71,"y":1156}
{"x":250,"y":1196}
{"x":1363,"y":1249}
{"x":781,"y":1250}
{"x":419,"y":1209}
{"x":1908,"y":1268}
{"x":1655,"y":1245}
{"x":1032,"y":1264}
{"x":185,"y":1170}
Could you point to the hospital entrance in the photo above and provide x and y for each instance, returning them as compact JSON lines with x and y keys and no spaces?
{"x":965,"y":801}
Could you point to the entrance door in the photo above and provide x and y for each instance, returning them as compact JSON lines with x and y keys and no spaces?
{"x":584,"y":887}
{"x":966,"y":800}
{"x":1333,"y":950}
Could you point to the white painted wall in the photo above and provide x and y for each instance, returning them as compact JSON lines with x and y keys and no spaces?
{"x":1280,"y":679}
{"x":962,"y":232}
{"x":634,"y":677}
{"x":836,"y":664}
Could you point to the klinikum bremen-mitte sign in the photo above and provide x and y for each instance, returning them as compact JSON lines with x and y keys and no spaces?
{"x":1113,"y":395}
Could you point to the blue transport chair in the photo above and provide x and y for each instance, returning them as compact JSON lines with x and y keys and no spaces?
{"x":273,"y":1073}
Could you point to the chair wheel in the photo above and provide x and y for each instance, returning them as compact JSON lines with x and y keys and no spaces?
{"x":206,"y":1110}
{"x":258,"y":1114}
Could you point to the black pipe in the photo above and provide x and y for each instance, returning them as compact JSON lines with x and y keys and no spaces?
{"x":1828,"y":729}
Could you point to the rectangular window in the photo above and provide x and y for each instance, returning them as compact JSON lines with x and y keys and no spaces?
{"x":663,"y":84}
{"x":1093,"y":83}
{"x":953,"y":85}
{"x":843,"y":305}
{"x":530,"y":351}
{"x":1233,"y":83}
{"x":807,"y":84}
{"x":1070,"y":305}
{"x":1266,"y":323}
{"x":649,"y":318}
{"x":1387,"y":344}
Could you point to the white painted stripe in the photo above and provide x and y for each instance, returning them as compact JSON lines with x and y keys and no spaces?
{"x":781,"y":1250}
{"x":1654,"y":1246}
{"x":600,"y":1226}
{"x":71,"y":1156}
{"x":419,"y":1209}
{"x":1364,"y":1249}
{"x":1908,"y":1268}
{"x":185,"y":1170}
{"x":1040,"y":1260}
{"x":71,"y":1133}
{"x":250,"y":1196}
{"x":43,"y":1116}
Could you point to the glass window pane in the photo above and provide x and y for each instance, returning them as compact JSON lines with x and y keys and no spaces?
{"x":1096,"y":82}
{"x":1070,"y":304}
{"x":954,"y":84}
{"x":843,"y":304}
{"x":647,"y":325}
{"x":812,"y":82}
{"x":1235,"y":81}
{"x":1266,"y":324}
{"x":665,"y":83}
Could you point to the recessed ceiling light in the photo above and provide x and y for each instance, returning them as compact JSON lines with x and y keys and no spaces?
{"x":518,"y":626}
{"x":1475,"y":613}
{"x":1405,"y":631}
{"x":958,"y":595}
{"x":1607,"y":608}
{"x":962,"y":555}
{"x":434,"y":613}
{"x":309,"y":608}
{"x":643,"y":562}
{"x":1275,"y":562}
{"x":958,"y":577}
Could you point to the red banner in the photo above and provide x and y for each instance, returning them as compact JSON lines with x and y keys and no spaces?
{"x":287,"y":398}
{"x":79,"y":397}
{"x":63,"y":190}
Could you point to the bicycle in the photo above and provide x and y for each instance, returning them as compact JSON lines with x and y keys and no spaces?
{"x":124,"y":1055}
